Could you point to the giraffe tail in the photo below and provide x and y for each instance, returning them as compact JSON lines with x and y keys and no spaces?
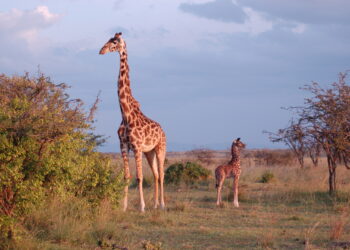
{"x":217,"y":178}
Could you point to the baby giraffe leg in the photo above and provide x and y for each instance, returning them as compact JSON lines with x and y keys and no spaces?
{"x":235,"y":191}
{"x":219,"y":188}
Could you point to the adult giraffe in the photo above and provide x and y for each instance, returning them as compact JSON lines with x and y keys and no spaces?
{"x":137,"y":132}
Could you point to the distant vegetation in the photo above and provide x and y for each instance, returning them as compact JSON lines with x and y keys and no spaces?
{"x":47,"y":150}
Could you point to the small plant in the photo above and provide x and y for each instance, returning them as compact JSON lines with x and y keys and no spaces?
{"x":337,"y":229}
{"x":294,"y":218}
{"x":267,"y":177}
{"x":266,"y":241}
{"x":189,"y":173}
{"x":309,"y":234}
{"x":148,"y":245}
{"x":179,"y":206}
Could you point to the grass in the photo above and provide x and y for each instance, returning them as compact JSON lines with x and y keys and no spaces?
{"x":292,"y":212}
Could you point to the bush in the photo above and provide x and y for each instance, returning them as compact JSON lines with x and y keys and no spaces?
{"x":189,"y":173}
{"x":147,"y":182}
{"x":274,"y":157}
{"x":46,"y":149}
{"x":267,"y":177}
{"x":205,"y":156}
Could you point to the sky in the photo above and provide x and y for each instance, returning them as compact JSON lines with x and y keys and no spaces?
{"x":208,"y":71}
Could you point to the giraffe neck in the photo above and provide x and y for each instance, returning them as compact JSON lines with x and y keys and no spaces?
{"x":126,"y":101}
{"x":235,"y":154}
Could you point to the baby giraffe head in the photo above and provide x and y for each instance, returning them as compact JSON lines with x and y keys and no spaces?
{"x":238,"y":143}
{"x":116,"y":43}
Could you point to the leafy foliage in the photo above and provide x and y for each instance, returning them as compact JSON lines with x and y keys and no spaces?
{"x":188,"y":173}
{"x":46,"y":149}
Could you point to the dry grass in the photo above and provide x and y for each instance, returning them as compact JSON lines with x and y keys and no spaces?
{"x":293,"y":212}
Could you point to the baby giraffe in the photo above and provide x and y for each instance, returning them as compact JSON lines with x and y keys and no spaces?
{"x":230,"y":170}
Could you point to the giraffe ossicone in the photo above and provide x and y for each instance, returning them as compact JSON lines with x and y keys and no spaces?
{"x":230,"y":170}
{"x":137,"y":132}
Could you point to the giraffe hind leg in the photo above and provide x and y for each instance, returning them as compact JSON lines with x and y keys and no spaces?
{"x":160,"y":153}
{"x":152,"y":161}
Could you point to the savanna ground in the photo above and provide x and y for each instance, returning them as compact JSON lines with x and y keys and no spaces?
{"x":291,"y":211}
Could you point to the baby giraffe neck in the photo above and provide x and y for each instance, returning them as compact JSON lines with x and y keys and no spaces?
{"x":235,"y":154}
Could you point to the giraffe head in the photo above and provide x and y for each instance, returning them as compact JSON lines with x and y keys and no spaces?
{"x":238,"y":143}
{"x":116,"y":43}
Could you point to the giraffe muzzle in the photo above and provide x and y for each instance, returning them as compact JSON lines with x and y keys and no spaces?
{"x":103,"y":51}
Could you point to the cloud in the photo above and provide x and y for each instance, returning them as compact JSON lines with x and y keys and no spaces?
{"x":17,"y":20}
{"x":223,"y":10}
{"x":20,"y":35}
{"x":307,"y":12}
{"x":19,"y":26}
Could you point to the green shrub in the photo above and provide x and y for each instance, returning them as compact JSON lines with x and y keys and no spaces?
{"x":46,"y":148}
{"x":173,"y":174}
{"x":267,"y":177}
{"x":189,"y":173}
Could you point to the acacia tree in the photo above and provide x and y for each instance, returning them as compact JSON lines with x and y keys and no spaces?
{"x":323,"y":122}
{"x":327,"y":117}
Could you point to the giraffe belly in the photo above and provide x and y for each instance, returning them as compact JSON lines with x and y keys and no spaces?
{"x":147,"y":148}
{"x":230,"y":174}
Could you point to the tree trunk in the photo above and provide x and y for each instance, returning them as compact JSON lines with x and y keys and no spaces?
{"x":332,"y":176}
{"x":314,"y":159}
{"x":301,"y":160}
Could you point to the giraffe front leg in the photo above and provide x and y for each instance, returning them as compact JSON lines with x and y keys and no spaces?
{"x":235,"y":191}
{"x":138,"y":158}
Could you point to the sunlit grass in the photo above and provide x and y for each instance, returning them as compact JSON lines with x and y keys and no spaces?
{"x":292,"y":212}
